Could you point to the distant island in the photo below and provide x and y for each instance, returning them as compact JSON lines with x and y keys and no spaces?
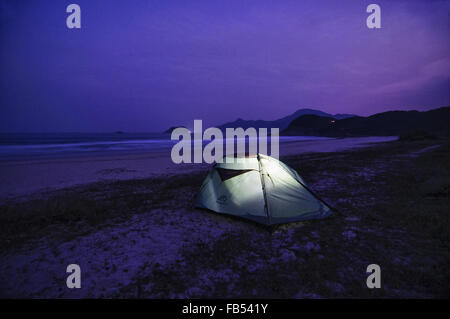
{"x":170,"y":130}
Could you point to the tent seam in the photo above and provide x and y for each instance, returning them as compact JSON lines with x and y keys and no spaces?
{"x":263,"y":185}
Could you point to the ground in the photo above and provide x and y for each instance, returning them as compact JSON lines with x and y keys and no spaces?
{"x":143,"y":238}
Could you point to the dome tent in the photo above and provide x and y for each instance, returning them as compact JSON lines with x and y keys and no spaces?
{"x":260,"y":188}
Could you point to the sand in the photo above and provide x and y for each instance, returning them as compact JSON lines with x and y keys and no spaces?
{"x":161,"y":246}
{"x":26,"y":176}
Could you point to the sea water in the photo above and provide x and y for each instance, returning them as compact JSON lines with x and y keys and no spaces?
{"x":44,"y":145}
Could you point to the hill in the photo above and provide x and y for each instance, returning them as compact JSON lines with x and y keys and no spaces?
{"x":380,"y":124}
{"x":281,"y":123}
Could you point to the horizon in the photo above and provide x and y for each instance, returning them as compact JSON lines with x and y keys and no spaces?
{"x":217,"y":125}
{"x":148,"y":66}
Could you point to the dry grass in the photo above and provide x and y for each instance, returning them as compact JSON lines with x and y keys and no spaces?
{"x":392,"y":210}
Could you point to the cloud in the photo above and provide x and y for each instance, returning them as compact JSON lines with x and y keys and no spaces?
{"x":428,"y":73}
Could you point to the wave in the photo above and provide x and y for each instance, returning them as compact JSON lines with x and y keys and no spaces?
{"x":28,"y":145}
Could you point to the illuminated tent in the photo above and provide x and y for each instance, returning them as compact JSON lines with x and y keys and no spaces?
{"x":260,"y":188}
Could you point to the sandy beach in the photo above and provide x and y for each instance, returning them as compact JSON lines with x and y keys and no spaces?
{"x":139,"y":236}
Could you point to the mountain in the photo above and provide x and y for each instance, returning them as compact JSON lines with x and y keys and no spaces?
{"x":281,"y":123}
{"x":341,"y":116}
{"x":380,"y":124}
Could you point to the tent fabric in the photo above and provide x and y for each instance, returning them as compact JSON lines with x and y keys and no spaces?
{"x":260,"y":188}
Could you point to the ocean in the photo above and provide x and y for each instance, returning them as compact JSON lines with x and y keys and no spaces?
{"x":36,"y":145}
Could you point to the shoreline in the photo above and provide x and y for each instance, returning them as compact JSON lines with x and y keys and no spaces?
{"x":26,"y":176}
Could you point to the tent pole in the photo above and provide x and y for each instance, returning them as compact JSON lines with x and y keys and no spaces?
{"x":263,"y":184}
{"x":316,"y":196}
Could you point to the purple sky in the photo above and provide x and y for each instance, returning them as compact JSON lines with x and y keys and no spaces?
{"x":147,"y":65}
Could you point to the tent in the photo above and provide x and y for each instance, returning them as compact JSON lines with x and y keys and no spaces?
{"x":260,"y":188}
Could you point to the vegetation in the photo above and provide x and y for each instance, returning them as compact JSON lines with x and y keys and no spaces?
{"x":392,"y":202}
